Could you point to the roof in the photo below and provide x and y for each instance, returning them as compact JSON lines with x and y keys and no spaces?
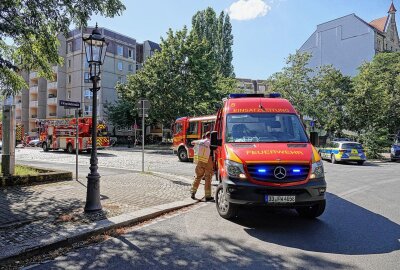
{"x":392,"y":8}
{"x":154,"y":46}
{"x":379,"y":23}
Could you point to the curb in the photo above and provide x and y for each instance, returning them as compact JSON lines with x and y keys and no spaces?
{"x":98,"y":228}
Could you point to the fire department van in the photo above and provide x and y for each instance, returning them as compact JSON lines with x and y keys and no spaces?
{"x":61,"y":134}
{"x":264,"y":157}
{"x":188,"y":129}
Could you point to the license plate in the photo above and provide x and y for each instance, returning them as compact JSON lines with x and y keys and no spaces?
{"x":280,"y":199}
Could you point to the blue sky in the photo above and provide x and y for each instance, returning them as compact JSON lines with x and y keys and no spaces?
{"x":265,"y":32}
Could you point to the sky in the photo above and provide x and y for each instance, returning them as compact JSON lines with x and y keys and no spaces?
{"x":265,"y":31}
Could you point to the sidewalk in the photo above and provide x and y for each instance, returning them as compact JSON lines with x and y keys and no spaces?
{"x":35,"y":216}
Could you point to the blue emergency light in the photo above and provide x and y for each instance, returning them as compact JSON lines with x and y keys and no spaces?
{"x":296,"y":170}
{"x":245,"y":95}
{"x":262,"y":170}
{"x":274,"y":95}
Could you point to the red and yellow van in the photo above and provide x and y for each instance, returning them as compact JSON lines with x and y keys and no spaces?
{"x":264,"y":157}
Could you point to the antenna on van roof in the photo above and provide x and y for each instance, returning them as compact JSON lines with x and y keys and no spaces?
{"x":261,"y":106}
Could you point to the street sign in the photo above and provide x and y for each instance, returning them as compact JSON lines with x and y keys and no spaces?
{"x":143,"y":104}
{"x":70,"y":104}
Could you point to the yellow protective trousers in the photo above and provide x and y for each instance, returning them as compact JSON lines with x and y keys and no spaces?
{"x":203,"y":170}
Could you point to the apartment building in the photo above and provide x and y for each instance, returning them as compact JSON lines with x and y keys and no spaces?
{"x":250,"y":86}
{"x":71,"y":80}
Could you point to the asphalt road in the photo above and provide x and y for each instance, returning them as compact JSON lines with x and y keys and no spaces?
{"x":359,"y":230}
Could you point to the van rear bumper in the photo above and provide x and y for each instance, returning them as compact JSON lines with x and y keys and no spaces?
{"x":247,"y":193}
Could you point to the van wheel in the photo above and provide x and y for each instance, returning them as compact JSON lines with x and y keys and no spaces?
{"x":333,"y":159}
{"x":44,"y":147}
{"x":70,"y":149}
{"x":183,"y":155}
{"x":312,"y":211}
{"x":225,"y":209}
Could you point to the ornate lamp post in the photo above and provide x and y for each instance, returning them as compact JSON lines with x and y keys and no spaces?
{"x":95,"y":49}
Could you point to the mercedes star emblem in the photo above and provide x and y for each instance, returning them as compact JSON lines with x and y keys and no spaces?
{"x":280,"y":172}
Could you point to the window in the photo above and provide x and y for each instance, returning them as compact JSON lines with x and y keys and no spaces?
{"x":86,"y":63}
{"x":178,"y":128}
{"x":192,"y":130}
{"x":69,"y":47}
{"x":130,"y":53}
{"x":69,"y":94}
{"x":88,"y":93}
{"x":69,"y":79}
{"x":69,"y":63}
{"x":120,"y":50}
{"x":264,"y":127}
{"x":120,"y":66}
{"x":87,"y":77}
{"x":130,"y":67}
{"x":119,"y":79}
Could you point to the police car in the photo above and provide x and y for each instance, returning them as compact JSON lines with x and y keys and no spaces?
{"x":395,"y":150}
{"x":343,"y":151}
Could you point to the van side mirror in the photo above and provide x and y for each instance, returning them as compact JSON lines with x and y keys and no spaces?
{"x":214,"y":139}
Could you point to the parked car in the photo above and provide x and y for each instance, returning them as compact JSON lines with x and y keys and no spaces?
{"x":343,"y":151}
{"x":35,"y":143}
{"x":395,"y":150}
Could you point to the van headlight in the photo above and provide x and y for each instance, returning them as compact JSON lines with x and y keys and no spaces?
{"x":235,"y":169}
{"x":317,"y":170}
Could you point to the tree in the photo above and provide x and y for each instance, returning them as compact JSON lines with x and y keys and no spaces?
{"x":373,"y":106}
{"x":28,"y":34}
{"x":121,"y":113}
{"x":332,"y":91}
{"x":295,"y":83}
{"x":182,"y":79}
{"x":218,"y":32}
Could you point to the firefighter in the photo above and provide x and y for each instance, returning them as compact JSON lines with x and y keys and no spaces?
{"x":204,"y":167}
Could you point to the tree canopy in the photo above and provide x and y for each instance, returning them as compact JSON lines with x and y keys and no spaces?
{"x":185,"y":78}
{"x":28,"y":34}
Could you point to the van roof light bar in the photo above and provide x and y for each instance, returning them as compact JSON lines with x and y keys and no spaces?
{"x":274,"y":95}
{"x":245,"y":95}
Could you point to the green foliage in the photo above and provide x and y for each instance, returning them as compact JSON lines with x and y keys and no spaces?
{"x":295,"y":83}
{"x":332,"y":91}
{"x":121,"y":113}
{"x":218,"y":32}
{"x":184,"y":78}
{"x":31,"y":29}
{"x":373,"y":105}
{"x":180,"y":80}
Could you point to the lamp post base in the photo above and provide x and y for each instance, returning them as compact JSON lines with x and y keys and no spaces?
{"x":93,"y":203}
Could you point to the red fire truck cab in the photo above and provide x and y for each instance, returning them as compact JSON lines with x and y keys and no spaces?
{"x":58,"y":134}
{"x":188,"y":129}
{"x":264,"y":157}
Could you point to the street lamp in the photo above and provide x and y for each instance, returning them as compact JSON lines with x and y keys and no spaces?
{"x":95,"y":50}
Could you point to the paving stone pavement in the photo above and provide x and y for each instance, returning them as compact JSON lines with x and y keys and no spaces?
{"x":34,"y":213}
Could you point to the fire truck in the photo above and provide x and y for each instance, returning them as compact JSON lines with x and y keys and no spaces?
{"x":188,"y":129}
{"x":58,"y":134}
{"x":19,"y":133}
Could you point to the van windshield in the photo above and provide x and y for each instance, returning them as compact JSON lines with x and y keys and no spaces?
{"x":264,"y":127}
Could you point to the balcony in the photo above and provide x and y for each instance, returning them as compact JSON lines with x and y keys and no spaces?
{"x":33,"y":115}
{"x":18,"y":117}
{"x":34,"y":89}
{"x":33,"y":75}
{"x":33,"y":104}
{"x":52,"y":114}
{"x":52,"y":101}
{"x":52,"y":85}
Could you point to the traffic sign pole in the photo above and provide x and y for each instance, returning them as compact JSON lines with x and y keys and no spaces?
{"x":77,"y":143}
{"x":143,"y":125}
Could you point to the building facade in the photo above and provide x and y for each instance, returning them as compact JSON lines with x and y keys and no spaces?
{"x":250,"y":86}
{"x":71,"y":80}
{"x":349,"y":41}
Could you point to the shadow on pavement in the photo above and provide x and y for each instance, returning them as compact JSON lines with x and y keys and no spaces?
{"x":99,"y":153}
{"x":344,"y":228}
{"x":160,"y":250}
